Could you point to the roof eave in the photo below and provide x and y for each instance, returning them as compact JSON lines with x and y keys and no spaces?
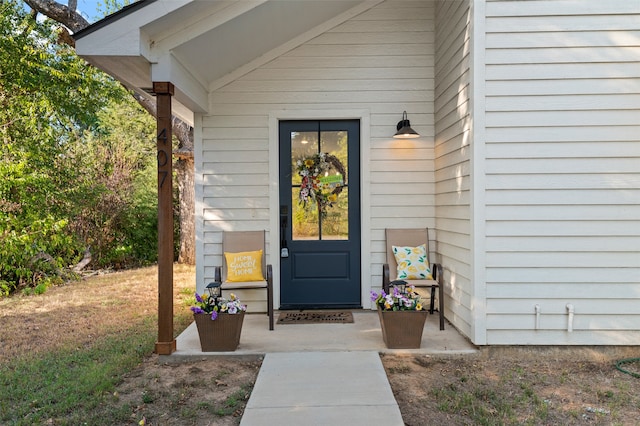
{"x":126,"y":10}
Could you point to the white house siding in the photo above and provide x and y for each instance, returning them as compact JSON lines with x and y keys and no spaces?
{"x":380,"y":61}
{"x":563,"y":171}
{"x":452,"y":123}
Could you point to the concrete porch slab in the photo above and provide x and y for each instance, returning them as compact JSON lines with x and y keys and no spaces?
{"x":364,"y":334}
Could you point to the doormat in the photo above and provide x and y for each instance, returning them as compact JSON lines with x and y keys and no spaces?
{"x":315,"y":317}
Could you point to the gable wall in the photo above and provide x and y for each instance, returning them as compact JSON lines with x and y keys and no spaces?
{"x":380,"y":61}
{"x":452,"y":158}
{"x":563,"y":171}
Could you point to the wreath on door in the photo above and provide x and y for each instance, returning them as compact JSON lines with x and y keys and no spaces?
{"x":318,"y":186}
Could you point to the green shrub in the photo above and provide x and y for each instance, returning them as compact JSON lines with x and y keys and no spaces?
{"x":34,"y":254}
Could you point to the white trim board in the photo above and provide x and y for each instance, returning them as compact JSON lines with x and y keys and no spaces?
{"x":365,"y":182}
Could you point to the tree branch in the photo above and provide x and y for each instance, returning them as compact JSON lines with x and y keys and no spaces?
{"x":73,"y":5}
{"x":65,"y":15}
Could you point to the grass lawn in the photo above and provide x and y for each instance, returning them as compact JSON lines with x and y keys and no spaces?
{"x":82,"y":354}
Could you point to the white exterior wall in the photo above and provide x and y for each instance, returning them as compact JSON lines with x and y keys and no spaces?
{"x":563,"y":171}
{"x":453,"y":138}
{"x":373,"y":66}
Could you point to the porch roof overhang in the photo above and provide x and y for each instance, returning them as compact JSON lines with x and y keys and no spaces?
{"x":201,"y":45}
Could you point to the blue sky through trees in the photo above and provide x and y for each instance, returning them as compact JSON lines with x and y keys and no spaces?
{"x":89,"y":9}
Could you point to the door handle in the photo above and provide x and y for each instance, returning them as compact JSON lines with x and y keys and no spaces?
{"x":284,"y":221}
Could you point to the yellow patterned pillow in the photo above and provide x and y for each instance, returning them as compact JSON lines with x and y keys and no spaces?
{"x":412,"y":263}
{"x":244,"y":266}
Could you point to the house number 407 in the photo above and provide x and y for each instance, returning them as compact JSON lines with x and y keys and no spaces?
{"x":162,"y":157}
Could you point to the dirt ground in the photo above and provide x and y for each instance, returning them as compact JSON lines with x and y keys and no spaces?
{"x":469,"y":390}
{"x":515,"y":388}
{"x":501,"y":387}
{"x":206,"y":392}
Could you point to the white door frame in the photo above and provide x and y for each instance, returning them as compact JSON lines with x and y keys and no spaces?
{"x":365,"y":190}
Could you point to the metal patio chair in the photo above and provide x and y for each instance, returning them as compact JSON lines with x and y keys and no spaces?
{"x":246,"y":241}
{"x":413,"y":238}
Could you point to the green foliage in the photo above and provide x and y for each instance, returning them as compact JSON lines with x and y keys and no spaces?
{"x":76,"y":161}
{"x":117,"y":217}
{"x":47,"y":91}
{"x":24,"y":258}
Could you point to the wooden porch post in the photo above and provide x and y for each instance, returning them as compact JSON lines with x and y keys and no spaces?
{"x":166,"y":344}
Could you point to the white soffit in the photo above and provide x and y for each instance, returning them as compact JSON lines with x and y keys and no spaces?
{"x":236,"y":42}
{"x":197,"y":42}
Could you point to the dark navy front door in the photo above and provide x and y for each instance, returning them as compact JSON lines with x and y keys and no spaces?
{"x":319,"y":214}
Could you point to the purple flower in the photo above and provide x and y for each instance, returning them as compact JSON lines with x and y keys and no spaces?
{"x":214,"y":315}
{"x":374,"y":295}
{"x":199,"y":299}
{"x":197,"y":310}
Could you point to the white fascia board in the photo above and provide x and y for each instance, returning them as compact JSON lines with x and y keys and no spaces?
{"x":122,"y":37}
{"x":120,"y":42}
{"x":188,"y":90}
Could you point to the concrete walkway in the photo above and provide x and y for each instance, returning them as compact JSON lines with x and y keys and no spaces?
{"x":322,"y":388}
{"x":322,"y":374}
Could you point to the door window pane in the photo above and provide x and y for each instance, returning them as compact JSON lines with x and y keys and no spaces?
{"x":320,"y":202}
{"x":303,"y":145}
{"x":335,"y":225}
{"x":304,"y":220}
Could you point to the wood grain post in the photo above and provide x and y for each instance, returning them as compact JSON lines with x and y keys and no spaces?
{"x":166,"y":344}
